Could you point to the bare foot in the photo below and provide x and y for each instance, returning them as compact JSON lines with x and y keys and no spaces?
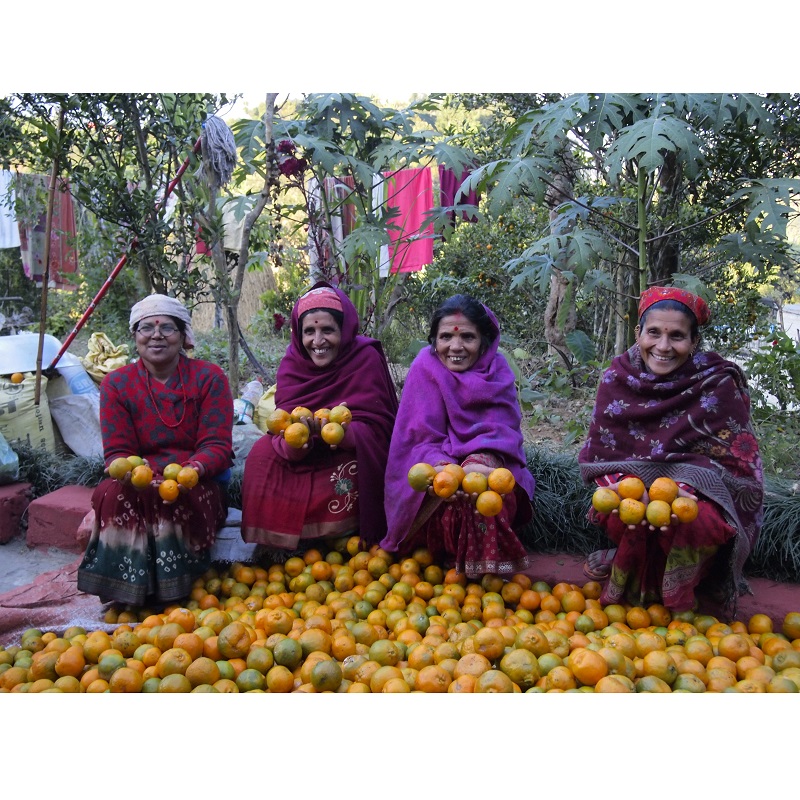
{"x":597,"y":566}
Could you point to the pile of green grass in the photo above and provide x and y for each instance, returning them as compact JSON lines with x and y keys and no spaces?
{"x":560,"y":506}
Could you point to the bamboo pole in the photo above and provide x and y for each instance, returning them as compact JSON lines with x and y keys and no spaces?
{"x":46,"y":277}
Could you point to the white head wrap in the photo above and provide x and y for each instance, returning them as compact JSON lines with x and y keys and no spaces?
{"x":156,"y":304}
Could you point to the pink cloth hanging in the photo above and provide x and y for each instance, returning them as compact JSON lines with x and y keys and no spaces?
{"x":410,"y":191}
{"x":449,"y":195}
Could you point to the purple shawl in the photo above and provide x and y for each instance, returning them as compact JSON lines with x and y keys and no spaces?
{"x":447,"y":416}
{"x":692,"y":425}
{"x":359,"y":377}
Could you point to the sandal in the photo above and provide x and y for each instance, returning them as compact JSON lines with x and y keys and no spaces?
{"x":603,"y":570}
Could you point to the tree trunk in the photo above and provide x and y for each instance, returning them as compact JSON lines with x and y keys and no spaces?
{"x":228,"y":288}
{"x":560,"y":316}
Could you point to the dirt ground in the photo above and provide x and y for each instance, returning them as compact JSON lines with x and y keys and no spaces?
{"x":21,"y":565}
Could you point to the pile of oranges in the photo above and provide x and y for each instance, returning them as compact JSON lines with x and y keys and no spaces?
{"x":296,"y":433}
{"x":174,"y":475}
{"x":357,"y":620}
{"x":486,"y":491}
{"x":663,"y":502}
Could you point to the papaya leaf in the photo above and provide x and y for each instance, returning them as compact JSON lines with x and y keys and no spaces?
{"x":769,"y":202}
{"x":581,"y":346}
{"x":647,"y":141}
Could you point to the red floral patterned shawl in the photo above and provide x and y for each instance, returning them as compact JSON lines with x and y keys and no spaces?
{"x":692,"y":425}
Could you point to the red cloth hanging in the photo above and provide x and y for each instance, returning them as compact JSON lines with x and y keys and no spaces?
{"x":449,"y":195}
{"x":63,"y":232}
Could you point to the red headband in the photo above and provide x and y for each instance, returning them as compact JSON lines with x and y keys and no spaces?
{"x":694,"y":303}
{"x":319,"y":298}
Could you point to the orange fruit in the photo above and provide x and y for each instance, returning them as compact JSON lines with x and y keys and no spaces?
{"x":433,"y":679}
{"x":125,"y":680}
{"x":300,"y":412}
{"x":685,"y":509}
{"x":420,"y":476}
{"x":658,"y":513}
{"x":119,"y":468}
{"x":296,"y":435}
{"x":136,"y":460}
{"x":605,"y":500}
{"x":171,"y":471}
{"x":188,"y":477}
{"x":168,"y":490}
{"x":489,"y":503}
{"x":234,"y":640}
{"x":630,"y":487}
{"x":588,"y":666}
{"x":322,"y":413}
{"x":332,"y":433}
{"x":17,"y":377}
{"x":341,"y":414}
{"x":474,"y":483}
{"x":631,"y":511}
{"x":445,"y":484}
{"x":791,"y":625}
{"x":141,"y":476}
{"x":326,"y":675}
{"x":663,"y":488}
{"x":278,"y":420}
{"x":455,"y":469}
{"x":501,"y":480}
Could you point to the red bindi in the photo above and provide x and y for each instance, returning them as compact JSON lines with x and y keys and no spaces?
{"x":455,"y":327}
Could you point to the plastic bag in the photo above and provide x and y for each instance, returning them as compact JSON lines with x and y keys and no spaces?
{"x":9,"y":462}
{"x":104,"y":356}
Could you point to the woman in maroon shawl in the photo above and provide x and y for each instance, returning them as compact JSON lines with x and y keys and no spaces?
{"x":292,"y":495}
{"x":665,"y":407}
{"x":459,"y":405}
{"x":166,"y":408}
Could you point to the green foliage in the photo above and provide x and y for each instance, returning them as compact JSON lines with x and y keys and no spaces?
{"x":674,"y":159}
{"x":778,"y":433}
{"x":267,"y":349}
{"x":473,"y":261}
{"x":774,"y":372}
{"x":347,"y":136}
{"x":776,"y":554}
{"x":120,"y":152}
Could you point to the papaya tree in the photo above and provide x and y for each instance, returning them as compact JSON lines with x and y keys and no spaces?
{"x":646,"y":189}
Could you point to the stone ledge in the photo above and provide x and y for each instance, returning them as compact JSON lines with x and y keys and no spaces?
{"x":53,"y":519}
{"x":14,"y":499}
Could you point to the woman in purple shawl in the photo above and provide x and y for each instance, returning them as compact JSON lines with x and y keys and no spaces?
{"x":665,"y":407}
{"x":459,"y":405}
{"x":292,"y":495}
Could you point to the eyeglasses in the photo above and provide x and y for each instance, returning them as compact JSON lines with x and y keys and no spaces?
{"x":149,"y":330}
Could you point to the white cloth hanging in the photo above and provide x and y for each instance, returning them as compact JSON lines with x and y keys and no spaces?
{"x":9,"y":229}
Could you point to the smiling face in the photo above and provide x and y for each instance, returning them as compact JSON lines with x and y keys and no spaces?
{"x":458,"y":343}
{"x":322,"y":337}
{"x":665,"y":340}
{"x":158,"y":351}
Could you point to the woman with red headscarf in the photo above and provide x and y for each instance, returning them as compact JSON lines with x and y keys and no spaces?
{"x":667,"y":408}
{"x":293,"y":496}
{"x":459,"y":405}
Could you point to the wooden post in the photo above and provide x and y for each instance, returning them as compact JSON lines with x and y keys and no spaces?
{"x":46,"y":277}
